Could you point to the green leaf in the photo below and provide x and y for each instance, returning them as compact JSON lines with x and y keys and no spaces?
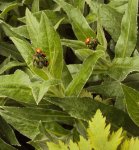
{"x":7,"y":66}
{"x":100,"y":34}
{"x":54,"y":16}
{"x":33,"y":29}
{"x":83,"y":75}
{"x":23,"y":125}
{"x":75,"y":68}
{"x":73,"y":44}
{"x":60,"y":146}
{"x":121,"y":67}
{"x":132,"y":102}
{"x":35,"y":6}
{"x":16,"y":87}
{"x":39,"y":89}
{"x":85,"y":108}
{"x":132,"y":144}
{"x":7,"y":133}
{"x":21,"y":30}
{"x":84,"y":144}
{"x":27,"y":53}
{"x":45,"y":37}
{"x":110,"y":89}
{"x":98,"y":125}
{"x":120,"y":5}
{"x":7,"y":49}
{"x":37,"y":114}
{"x":54,"y":48}
{"x":127,"y":40}
{"x":27,"y":119}
{"x":7,"y":7}
{"x":79,"y":4}
{"x":82,"y":54}
{"x":79,"y":24}
{"x":6,"y":146}
{"x":109,"y":17}
{"x":66,"y":75}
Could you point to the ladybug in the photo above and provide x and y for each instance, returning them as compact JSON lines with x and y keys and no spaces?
{"x":39,"y":59}
{"x":91,"y":43}
{"x":87,"y":41}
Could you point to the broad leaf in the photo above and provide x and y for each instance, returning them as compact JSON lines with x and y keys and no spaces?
{"x":27,"y":119}
{"x":85,"y":108}
{"x":79,"y":24}
{"x":83,"y":75}
{"x":127,"y":40}
{"x":16,"y":87}
{"x":132,"y":102}
{"x":40,"y":88}
{"x":51,"y":41}
{"x":121,"y":67}
{"x":45,"y":37}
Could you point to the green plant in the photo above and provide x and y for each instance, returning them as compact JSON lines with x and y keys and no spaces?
{"x":97,"y":140}
{"x":55,"y":101}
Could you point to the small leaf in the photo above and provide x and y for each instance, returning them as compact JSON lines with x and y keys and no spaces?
{"x":127,"y":40}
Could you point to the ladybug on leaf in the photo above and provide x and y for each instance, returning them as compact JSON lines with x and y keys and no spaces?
{"x":40,"y":59}
{"x":91,"y":43}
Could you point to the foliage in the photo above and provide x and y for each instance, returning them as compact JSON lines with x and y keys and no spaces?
{"x":87,"y":60}
{"x":111,"y":141}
